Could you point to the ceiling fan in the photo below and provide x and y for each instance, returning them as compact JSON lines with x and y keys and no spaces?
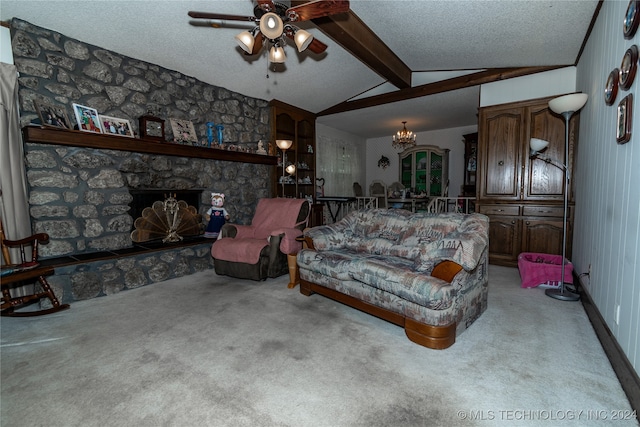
{"x":274,"y":24}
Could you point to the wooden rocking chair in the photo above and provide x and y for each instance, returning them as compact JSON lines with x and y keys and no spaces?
{"x":24,"y":273}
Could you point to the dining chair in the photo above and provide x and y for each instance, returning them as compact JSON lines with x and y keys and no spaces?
{"x":378,"y":189}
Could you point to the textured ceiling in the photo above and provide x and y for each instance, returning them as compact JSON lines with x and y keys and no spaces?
{"x":435,"y":39}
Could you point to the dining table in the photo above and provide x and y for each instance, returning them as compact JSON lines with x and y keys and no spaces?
{"x":336,"y":204}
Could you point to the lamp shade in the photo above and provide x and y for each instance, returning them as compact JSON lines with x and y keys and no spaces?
{"x":291,"y":169}
{"x":271,"y":25}
{"x":303,"y":39}
{"x":276,"y":54}
{"x":537,"y":144}
{"x":284,"y":144}
{"x":568,"y":103}
{"x":245,"y":41}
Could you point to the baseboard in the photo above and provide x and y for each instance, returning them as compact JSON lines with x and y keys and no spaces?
{"x":625,"y":372}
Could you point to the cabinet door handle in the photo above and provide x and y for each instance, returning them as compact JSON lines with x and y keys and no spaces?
{"x":528,"y":223}
{"x":513,"y":221}
{"x":500,"y":163}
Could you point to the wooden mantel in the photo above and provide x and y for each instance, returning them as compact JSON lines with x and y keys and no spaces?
{"x":49,"y":135}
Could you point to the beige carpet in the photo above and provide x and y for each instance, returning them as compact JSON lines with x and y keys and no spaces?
{"x":205,"y":350}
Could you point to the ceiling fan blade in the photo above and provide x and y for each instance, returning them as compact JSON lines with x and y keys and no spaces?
{"x":317,"y":9}
{"x":221,"y":17}
{"x":266,"y":5}
{"x":316,"y":46}
{"x":257,"y":43}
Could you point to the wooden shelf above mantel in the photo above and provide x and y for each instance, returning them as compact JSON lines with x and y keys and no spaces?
{"x":47,"y":135}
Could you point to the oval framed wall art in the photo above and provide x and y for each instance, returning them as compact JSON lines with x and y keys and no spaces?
{"x":631,"y":19}
{"x":611,"y":87}
{"x":628,"y":68}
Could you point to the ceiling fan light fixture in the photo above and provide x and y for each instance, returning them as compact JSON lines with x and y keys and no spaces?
{"x":245,"y":41}
{"x":271,"y":25}
{"x":276,"y":54}
{"x":302,"y":39}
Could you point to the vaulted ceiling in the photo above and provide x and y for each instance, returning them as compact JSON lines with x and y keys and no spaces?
{"x":387,"y":60}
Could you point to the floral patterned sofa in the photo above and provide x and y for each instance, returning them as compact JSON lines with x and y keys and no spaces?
{"x":425,"y":272}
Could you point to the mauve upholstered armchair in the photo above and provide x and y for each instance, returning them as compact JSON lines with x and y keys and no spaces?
{"x":259,"y":250}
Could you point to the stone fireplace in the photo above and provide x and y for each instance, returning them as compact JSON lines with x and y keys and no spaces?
{"x":83,"y":198}
{"x":81,"y":189}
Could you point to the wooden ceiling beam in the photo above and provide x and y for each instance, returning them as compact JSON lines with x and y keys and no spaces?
{"x":348,"y":30}
{"x":482,"y":77}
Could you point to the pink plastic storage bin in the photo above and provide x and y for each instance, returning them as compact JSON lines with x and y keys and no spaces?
{"x":543,"y":270}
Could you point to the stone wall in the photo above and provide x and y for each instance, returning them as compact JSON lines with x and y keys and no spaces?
{"x":80,"y":196}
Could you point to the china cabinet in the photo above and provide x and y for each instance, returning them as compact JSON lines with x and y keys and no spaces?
{"x":425,"y":169}
{"x":523,"y":196}
{"x":299,"y":126}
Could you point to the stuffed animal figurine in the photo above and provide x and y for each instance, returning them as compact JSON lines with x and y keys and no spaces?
{"x":216,"y":215}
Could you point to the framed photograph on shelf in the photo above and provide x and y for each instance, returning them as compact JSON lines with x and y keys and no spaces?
{"x":628,"y":67}
{"x":116,"y":126}
{"x":87,"y":118}
{"x":184,"y":132}
{"x":623,"y":128}
{"x":631,"y":19}
{"x":52,"y":115}
{"x":611,"y":87}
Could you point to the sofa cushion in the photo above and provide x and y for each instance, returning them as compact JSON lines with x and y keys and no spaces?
{"x":464,"y":245}
{"x":334,"y":264}
{"x":426,"y":228}
{"x":396,"y":276}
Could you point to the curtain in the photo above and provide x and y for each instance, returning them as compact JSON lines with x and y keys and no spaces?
{"x":14,"y":207}
{"x":339,"y":163}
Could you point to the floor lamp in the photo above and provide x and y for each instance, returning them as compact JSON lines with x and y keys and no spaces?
{"x":565,"y":106}
{"x":284,"y":145}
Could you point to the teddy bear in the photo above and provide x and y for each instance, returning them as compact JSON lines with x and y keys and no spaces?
{"x":216,"y":215}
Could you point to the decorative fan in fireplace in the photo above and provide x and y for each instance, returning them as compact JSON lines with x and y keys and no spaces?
{"x":171,"y":221}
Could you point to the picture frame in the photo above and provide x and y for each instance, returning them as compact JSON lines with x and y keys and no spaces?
{"x":116,"y":126}
{"x":52,"y":115}
{"x":151,"y":128}
{"x":183,"y":131}
{"x":631,"y":19}
{"x":611,"y":87}
{"x":87,"y":118}
{"x":628,"y":68}
{"x":624,"y":115}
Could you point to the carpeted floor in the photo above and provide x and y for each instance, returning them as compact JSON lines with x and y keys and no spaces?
{"x":206,"y":350}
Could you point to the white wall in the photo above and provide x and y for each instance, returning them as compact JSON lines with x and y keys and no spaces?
{"x":540,"y":85}
{"x":607,"y":221}
{"x":6,"y":55}
{"x":443,"y":138}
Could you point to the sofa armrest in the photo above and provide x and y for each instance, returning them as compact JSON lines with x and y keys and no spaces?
{"x":446,"y":270}
{"x":288,"y":242}
{"x":327,"y":237}
{"x":228,"y":230}
{"x":308,"y":241}
{"x":465,"y":246}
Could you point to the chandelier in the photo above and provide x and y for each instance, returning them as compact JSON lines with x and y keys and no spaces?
{"x":404,"y":138}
